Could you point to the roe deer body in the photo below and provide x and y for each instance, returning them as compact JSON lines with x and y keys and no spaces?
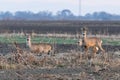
{"x":87,"y":42}
{"x":38,"y":48}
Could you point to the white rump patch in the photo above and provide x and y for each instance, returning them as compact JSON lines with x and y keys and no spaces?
{"x":97,"y":48}
{"x":80,"y":42}
{"x":101,"y":41}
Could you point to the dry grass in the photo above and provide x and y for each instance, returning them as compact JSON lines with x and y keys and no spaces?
{"x":91,"y":69}
{"x":58,"y":60}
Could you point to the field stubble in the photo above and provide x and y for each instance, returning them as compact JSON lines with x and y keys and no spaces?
{"x":66,"y":64}
{"x":69,"y":65}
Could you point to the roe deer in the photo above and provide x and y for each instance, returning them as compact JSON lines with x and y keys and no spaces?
{"x":87,"y":42}
{"x":38,"y":48}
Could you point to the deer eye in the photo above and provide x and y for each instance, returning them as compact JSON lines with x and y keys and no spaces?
{"x":83,"y":33}
{"x":27,"y":39}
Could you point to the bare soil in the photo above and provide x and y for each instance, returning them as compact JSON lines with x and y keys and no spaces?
{"x":64,"y":66}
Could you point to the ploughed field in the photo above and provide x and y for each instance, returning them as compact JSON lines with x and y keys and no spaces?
{"x":68,"y":62}
{"x":65,"y":64}
{"x":72,"y":27}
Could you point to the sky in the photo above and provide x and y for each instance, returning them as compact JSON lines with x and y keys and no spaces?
{"x":86,"y":6}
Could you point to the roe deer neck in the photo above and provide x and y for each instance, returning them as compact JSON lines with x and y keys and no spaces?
{"x":28,"y":42}
{"x":84,"y":36}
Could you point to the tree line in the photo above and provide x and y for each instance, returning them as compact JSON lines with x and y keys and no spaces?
{"x":65,"y":14}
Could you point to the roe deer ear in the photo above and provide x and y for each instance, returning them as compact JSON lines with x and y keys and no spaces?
{"x":85,"y":29}
{"x":26,"y":34}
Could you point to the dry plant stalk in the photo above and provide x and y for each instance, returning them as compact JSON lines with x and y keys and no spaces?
{"x":18,"y":54}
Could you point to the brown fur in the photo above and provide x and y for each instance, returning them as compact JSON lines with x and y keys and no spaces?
{"x":93,"y":42}
{"x":38,"y":48}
